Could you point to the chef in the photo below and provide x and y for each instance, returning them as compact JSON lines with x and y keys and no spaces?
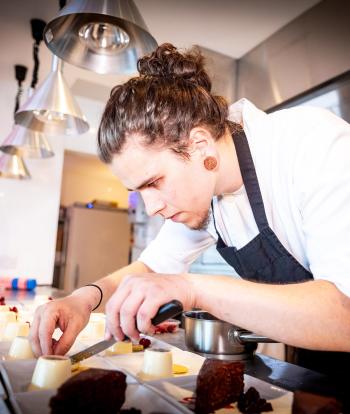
{"x":271,"y":191}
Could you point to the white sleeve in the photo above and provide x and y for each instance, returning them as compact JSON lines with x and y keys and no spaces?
{"x":175,"y":248}
{"x":325,"y":206}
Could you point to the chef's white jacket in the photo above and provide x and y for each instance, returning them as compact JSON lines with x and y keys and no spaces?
{"x":302,"y":160}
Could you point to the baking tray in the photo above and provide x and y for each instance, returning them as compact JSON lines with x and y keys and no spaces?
{"x":174,"y":395}
{"x":17,"y":375}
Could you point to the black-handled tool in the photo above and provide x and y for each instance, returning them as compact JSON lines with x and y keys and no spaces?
{"x":169,"y":310}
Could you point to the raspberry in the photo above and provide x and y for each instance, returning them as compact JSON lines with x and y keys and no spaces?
{"x":145,"y":342}
{"x":171,"y":328}
{"x":14,"y":309}
{"x":159,"y":330}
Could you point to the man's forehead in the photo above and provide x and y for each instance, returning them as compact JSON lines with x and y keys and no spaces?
{"x":135,"y":165}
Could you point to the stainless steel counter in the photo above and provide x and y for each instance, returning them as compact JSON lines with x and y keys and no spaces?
{"x":285,"y":375}
{"x":282,"y":374}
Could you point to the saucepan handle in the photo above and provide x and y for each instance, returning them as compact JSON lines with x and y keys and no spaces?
{"x":242,"y":337}
{"x":169,"y":310}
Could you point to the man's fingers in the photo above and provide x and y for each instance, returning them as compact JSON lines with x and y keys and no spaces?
{"x":54,"y":345}
{"x":146,"y":312}
{"x":46,"y":329}
{"x":128,"y":313}
{"x":67,"y":339}
{"x":112,"y":313}
{"x":108,"y":335}
{"x":34,"y":335}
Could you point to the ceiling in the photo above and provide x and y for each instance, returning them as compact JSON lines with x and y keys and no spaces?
{"x":231,"y":27}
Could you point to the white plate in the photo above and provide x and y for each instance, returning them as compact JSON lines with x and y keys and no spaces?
{"x":182,"y":390}
{"x":17,"y":376}
{"x":132,"y":363}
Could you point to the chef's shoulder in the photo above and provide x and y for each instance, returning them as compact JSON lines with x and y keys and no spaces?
{"x":319,"y":155}
{"x":309,"y":120}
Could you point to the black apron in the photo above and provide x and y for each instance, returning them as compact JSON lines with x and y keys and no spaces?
{"x":264,"y":259}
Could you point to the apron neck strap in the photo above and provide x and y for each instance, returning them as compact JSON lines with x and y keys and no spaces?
{"x":250,"y":179}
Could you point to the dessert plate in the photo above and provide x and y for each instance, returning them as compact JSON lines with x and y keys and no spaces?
{"x":17,"y":375}
{"x":182,"y":389}
{"x":132,"y":363}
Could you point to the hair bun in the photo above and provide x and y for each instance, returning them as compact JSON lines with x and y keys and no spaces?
{"x":167,"y":62}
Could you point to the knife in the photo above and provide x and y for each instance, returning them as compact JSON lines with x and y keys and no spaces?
{"x":166,"y":311}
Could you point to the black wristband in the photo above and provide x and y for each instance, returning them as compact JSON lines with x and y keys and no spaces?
{"x":101,"y":293}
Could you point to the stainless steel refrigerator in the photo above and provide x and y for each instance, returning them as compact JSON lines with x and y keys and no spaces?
{"x":96,"y":242}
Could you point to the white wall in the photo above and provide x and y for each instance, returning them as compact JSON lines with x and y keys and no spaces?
{"x":29,"y":215}
{"x":29,"y":209}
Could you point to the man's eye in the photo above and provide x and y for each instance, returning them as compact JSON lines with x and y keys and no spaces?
{"x":154,"y":183}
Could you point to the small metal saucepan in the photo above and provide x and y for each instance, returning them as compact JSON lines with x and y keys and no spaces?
{"x":214,"y":338}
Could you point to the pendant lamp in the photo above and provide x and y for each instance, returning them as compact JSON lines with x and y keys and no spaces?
{"x":30,"y":144}
{"x":12,"y":164}
{"x":52,"y":108}
{"x":104,"y":36}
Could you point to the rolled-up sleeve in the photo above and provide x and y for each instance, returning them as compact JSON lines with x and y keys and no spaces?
{"x":175,"y":248}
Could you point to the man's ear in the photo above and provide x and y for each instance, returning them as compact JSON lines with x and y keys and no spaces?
{"x":200,"y":141}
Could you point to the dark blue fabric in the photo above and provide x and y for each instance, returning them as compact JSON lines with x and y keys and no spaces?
{"x":264,"y":259}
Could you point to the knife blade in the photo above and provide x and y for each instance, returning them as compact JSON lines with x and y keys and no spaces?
{"x":169,"y":310}
{"x":92,"y":350}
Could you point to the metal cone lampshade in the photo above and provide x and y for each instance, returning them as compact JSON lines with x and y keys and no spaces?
{"x":105,"y":36}
{"x":30,"y":144}
{"x":12,"y":165}
{"x":52,"y":108}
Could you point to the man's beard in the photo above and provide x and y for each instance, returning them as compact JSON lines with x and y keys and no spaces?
{"x":203,"y":223}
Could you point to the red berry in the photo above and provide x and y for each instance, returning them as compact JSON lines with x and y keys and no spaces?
{"x":171,"y":328}
{"x":160,"y":330}
{"x":145,"y":342}
{"x":14,"y":309}
{"x":2,"y":300}
{"x":50,"y":298}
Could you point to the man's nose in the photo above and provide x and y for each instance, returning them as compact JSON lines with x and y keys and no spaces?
{"x":153,"y":203}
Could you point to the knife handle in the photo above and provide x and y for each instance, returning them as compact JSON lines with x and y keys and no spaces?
{"x":169,"y":310}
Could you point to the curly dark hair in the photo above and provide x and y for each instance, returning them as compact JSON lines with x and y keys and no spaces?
{"x":171,"y":96}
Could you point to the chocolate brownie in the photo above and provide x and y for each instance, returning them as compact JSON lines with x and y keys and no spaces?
{"x":90,"y":392}
{"x":250,"y":402}
{"x":218,"y":383}
{"x":307,"y":403}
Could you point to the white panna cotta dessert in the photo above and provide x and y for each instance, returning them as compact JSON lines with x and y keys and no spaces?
{"x":50,"y":372}
{"x":21,"y":349}
{"x":8,"y":316}
{"x":157,"y":363}
{"x":94,"y":329}
{"x":14,"y":329}
{"x":5,"y":318}
{"x":4,"y":308}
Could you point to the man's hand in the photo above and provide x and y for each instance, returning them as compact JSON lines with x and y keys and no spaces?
{"x":70,"y":314}
{"x":137,"y":300}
